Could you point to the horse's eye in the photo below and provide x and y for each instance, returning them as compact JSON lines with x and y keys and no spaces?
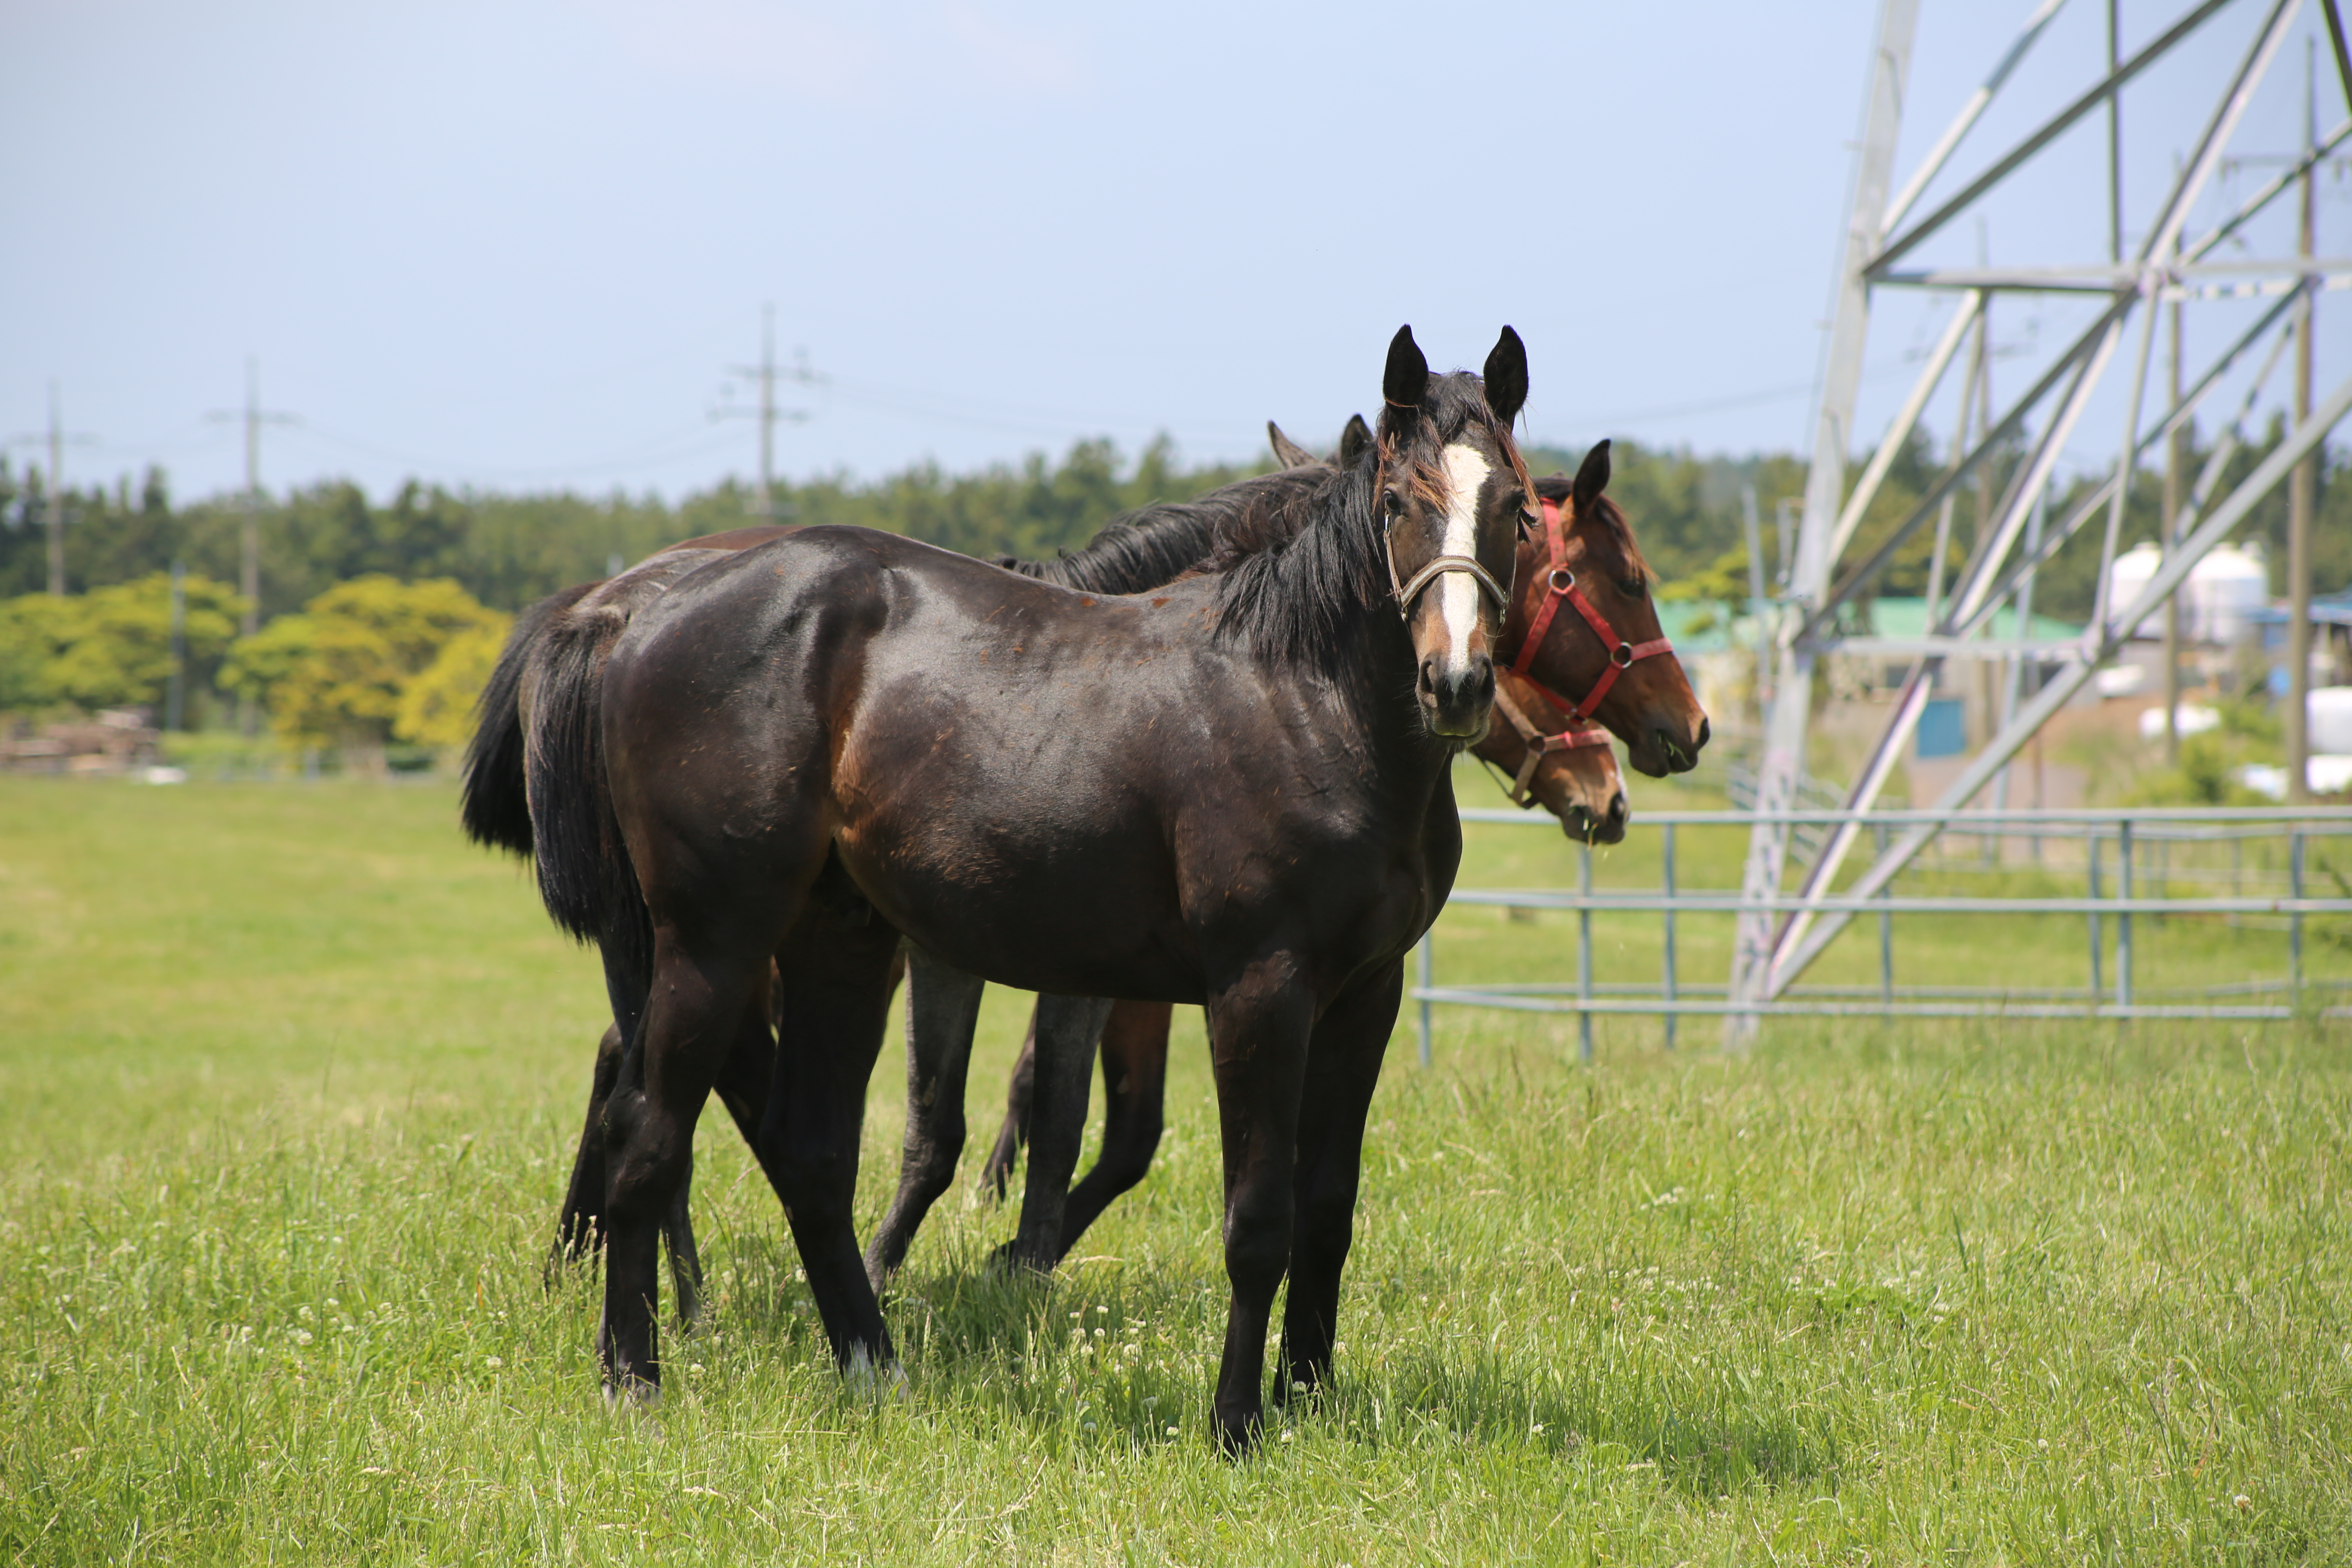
{"x":1634,"y":587}
{"x":1392,"y":504}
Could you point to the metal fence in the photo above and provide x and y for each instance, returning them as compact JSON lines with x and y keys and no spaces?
{"x":2133,"y":865}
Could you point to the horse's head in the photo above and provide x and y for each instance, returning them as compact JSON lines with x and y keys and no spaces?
{"x":1450,"y":491}
{"x":1355,"y":440}
{"x":1557,"y":761}
{"x":1582,"y":623}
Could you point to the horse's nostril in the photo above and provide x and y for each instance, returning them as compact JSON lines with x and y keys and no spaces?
{"x":1428,"y":681}
{"x":1617,"y":807}
{"x":1702,"y":730}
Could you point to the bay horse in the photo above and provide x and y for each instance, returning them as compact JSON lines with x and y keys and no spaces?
{"x":1235,"y":791}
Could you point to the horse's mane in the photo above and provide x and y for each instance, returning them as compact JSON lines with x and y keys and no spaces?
{"x":1154,"y":545}
{"x":1296,"y":579}
{"x":1560,"y":490}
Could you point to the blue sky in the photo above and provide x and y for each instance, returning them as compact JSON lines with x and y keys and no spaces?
{"x":518,"y":246}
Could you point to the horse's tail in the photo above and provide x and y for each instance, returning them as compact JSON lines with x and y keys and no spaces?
{"x":495,"y":803}
{"x":584,"y":875}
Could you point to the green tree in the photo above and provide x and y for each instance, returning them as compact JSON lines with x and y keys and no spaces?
{"x":437,"y":704}
{"x":337,"y":671}
{"x":111,"y":648}
{"x":35,"y":629}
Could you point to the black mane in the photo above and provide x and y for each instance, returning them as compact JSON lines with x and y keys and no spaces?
{"x":1294,"y":585}
{"x":1151,"y":546}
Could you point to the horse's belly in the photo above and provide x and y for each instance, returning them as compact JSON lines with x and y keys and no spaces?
{"x":1075,"y":912}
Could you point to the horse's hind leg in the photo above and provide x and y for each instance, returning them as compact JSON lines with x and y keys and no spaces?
{"x":1068,"y":1028}
{"x":834,"y":978}
{"x":1135,"y":1092}
{"x":997,"y":1175}
{"x":580,"y":1227}
{"x":1343,"y":1068}
{"x":698,"y":998}
{"x":942,"y":1009}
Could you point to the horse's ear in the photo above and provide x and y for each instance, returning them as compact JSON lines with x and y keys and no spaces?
{"x":1592,"y":477}
{"x":1407,"y":376}
{"x":1506,"y":377}
{"x":1355,"y":440}
{"x":1288,"y":452}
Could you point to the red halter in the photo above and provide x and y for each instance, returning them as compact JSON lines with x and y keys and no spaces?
{"x":1562,"y":585}
{"x":1539,"y":745}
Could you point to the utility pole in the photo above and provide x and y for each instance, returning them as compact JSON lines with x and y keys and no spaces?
{"x":252,"y":416}
{"x":56,"y":498}
{"x":765,"y":373}
{"x":2304,"y":480}
{"x":175,"y":704}
{"x":53,"y":497}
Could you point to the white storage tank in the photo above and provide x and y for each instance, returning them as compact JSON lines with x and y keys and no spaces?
{"x":2216,"y":603}
{"x":2330,"y":728}
{"x":2224,"y":590}
{"x":2126,"y":575}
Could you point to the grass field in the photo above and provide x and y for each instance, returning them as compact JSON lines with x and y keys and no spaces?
{"x":289,"y":1077}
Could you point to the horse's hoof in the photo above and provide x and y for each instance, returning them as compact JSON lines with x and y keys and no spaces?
{"x":1009,"y":1259}
{"x":631,"y":1396}
{"x":1237,"y":1439}
{"x":877,"y":1383}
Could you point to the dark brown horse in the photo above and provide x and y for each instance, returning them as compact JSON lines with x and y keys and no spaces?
{"x":1579,"y":783}
{"x":1234,"y":791}
{"x":568,"y":637}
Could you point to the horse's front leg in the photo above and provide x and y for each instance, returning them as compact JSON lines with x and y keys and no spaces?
{"x":1258,"y":1029}
{"x":1135,"y":1092}
{"x":1068,"y":1028}
{"x":942,"y":1010}
{"x":1343,"y":1068}
{"x":834,"y":986}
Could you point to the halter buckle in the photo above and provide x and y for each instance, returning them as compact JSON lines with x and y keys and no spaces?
{"x":1622,"y":655}
{"x":1562,"y":580}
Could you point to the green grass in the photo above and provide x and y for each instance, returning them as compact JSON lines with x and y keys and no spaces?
{"x":289,"y":1077}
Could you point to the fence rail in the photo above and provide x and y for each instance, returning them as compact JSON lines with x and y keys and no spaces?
{"x":2120,"y":850}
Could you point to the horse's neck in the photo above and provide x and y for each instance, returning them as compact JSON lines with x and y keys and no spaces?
{"x":1409,"y":762}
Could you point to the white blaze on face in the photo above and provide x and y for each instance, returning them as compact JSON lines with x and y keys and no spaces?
{"x":1457,"y":605}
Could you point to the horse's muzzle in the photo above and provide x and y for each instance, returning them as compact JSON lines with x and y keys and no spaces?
{"x":1586,"y":825}
{"x":1457,"y":700}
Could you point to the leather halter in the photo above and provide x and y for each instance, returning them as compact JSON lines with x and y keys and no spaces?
{"x":1561,"y":585}
{"x":1539,"y":745}
{"x":1438,"y":566}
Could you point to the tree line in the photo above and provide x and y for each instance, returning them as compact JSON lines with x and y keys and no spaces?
{"x":361,"y":600}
